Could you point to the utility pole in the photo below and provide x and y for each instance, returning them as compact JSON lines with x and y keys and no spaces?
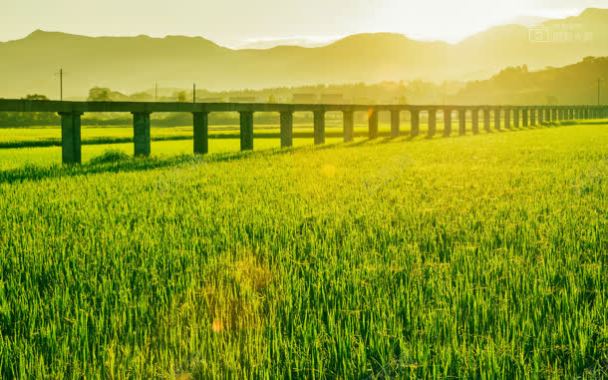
{"x":193,"y":92}
{"x":61,"y":84}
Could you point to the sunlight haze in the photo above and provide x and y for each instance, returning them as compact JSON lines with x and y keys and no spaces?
{"x":263,"y":23}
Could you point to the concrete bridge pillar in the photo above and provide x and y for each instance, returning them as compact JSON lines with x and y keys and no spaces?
{"x":447,"y":122}
{"x":432,"y":122}
{"x":415,"y":121}
{"x":141,"y":133}
{"x":542,"y":116}
{"x":319,"y":127}
{"x":497,"y":118}
{"x":552,"y":115}
{"x":524,"y":117}
{"x":533,"y":116}
{"x":246,"y":130}
{"x":200,"y":122}
{"x":372,"y":123}
{"x":71,"y":144}
{"x":462,"y":121}
{"x":475,"y":120}
{"x":516,"y":118}
{"x":395,"y":122}
{"x":507,"y":118}
{"x":348,"y":119}
{"x":486,"y":119}
{"x":286,"y":118}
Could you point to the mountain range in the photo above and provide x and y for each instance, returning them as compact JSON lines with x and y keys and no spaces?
{"x":129,"y":64}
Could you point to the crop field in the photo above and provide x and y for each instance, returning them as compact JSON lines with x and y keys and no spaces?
{"x":471,"y":257}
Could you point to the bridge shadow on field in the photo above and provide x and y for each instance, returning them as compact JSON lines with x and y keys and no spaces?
{"x":125,"y":164}
{"x":112,"y":162}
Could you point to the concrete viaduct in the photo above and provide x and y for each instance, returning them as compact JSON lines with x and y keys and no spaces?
{"x":508,"y":116}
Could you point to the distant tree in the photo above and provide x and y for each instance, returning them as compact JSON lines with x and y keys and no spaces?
{"x":141,"y":96}
{"x":272,"y":98}
{"x":181,"y":96}
{"x":35,"y":97}
{"x":100,"y":94}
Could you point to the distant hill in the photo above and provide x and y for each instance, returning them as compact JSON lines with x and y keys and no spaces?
{"x":572,"y":84}
{"x":131,"y":63}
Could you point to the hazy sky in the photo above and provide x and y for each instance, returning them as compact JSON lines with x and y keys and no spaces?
{"x":237,"y":22}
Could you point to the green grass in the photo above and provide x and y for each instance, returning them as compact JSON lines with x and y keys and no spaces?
{"x":480,"y":256}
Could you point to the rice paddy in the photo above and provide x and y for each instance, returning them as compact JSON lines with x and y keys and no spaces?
{"x":470,"y":257}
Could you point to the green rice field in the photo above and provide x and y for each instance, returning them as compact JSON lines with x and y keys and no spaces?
{"x":479,"y":256}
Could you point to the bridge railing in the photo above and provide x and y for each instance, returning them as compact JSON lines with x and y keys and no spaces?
{"x":506,"y":116}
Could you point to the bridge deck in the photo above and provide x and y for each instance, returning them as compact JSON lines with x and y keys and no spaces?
{"x":17,"y":105}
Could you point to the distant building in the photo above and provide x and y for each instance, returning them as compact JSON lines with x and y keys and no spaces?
{"x":332,"y":99}
{"x":304,"y":98}
{"x":364,"y":100}
{"x":243,"y":99}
